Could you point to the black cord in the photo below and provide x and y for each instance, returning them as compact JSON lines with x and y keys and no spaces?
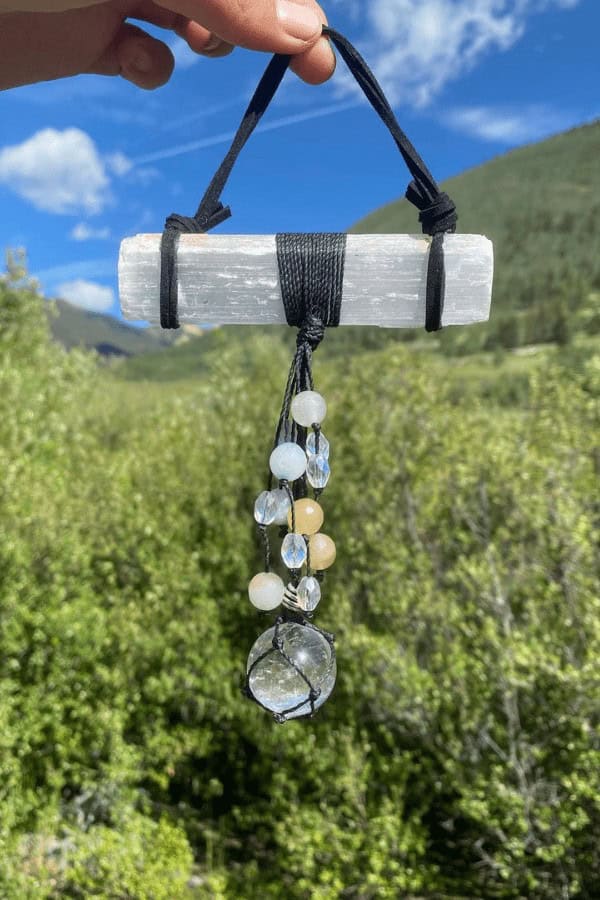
{"x":437,"y":212}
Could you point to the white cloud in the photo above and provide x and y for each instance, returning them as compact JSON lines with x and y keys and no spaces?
{"x":507,"y":125}
{"x":84,"y":232}
{"x":87,"y":294}
{"x":57,"y":171}
{"x":418,"y":46}
{"x":118,"y":163}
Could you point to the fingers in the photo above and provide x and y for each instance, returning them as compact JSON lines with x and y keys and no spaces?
{"x":316,"y":64}
{"x":280,"y":26}
{"x":136,"y":56}
{"x":202,"y":40}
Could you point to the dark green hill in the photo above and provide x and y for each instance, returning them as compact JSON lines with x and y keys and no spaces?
{"x":540,"y":205}
{"x":75,"y":327}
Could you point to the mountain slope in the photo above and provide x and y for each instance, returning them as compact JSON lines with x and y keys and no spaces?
{"x":540,"y":205}
{"x":72,"y":326}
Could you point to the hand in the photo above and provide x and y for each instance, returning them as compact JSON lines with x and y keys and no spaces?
{"x":47,"y":39}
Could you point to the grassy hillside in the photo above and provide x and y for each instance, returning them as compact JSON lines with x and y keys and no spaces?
{"x":72,"y":327}
{"x":75,"y":327}
{"x":540,"y":205}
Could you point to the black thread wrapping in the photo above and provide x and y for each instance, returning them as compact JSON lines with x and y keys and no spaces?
{"x":311,"y":278}
{"x":437,"y":211}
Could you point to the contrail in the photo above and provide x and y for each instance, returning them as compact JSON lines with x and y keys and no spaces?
{"x":227,"y":136}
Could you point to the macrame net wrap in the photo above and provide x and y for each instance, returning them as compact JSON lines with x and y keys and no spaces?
{"x":278,"y":648}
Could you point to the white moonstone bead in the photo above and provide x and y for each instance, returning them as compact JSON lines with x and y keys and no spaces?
{"x":308,"y":408}
{"x":266,"y":591}
{"x":288,"y":462}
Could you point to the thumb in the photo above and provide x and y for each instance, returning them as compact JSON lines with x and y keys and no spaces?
{"x":276,"y":26}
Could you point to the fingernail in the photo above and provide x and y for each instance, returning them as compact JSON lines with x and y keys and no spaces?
{"x":213,"y":42}
{"x":142,"y":61}
{"x":300,"y":22}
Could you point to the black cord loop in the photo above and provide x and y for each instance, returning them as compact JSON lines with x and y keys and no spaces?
{"x":437,"y":211}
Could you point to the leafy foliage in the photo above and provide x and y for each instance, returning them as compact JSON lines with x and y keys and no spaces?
{"x":459,"y":755}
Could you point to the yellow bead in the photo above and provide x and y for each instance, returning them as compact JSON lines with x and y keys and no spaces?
{"x":322,"y":552}
{"x":309,"y":516}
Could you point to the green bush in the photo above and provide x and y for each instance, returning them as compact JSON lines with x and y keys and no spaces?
{"x":458,"y":756}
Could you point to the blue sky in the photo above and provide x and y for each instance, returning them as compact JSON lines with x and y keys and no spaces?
{"x":87,"y":161}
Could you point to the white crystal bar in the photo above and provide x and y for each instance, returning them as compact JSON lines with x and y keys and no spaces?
{"x":233,"y":279}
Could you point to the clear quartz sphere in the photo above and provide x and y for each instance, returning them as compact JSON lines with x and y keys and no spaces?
{"x":288,"y":462}
{"x":282,"y":499}
{"x":311,"y":445}
{"x":293,"y":551}
{"x":318,"y":471}
{"x":309,"y":593}
{"x":308,"y":408}
{"x":277,"y":685}
{"x":265,"y":508}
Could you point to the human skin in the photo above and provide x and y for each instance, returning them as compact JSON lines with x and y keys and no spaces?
{"x":41,"y":40}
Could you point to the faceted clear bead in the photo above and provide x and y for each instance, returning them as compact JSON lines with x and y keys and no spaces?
{"x":265,"y":508}
{"x":288,"y":461}
{"x":309,"y":593}
{"x":311,"y":444}
{"x":283,"y":506}
{"x":318,"y":471}
{"x":266,"y":591}
{"x":308,"y":408}
{"x":293,"y":551}
{"x":277,"y":685}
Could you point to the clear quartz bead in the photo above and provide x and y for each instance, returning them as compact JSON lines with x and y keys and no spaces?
{"x":311,"y":445}
{"x":309,"y":593}
{"x":265,"y":508}
{"x":276,"y":684}
{"x":293,"y":551}
{"x":283,"y":506}
{"x":318,"y":471}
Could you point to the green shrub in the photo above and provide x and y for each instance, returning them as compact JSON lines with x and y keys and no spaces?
{"x":458,"y":756}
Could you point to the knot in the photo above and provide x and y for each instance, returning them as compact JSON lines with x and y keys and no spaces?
{"x":440,"y":216}
{"x":311,"y":332}
{"x":437,"y":212}
{"x":183,"y":224}
{"x":200,"y":223}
